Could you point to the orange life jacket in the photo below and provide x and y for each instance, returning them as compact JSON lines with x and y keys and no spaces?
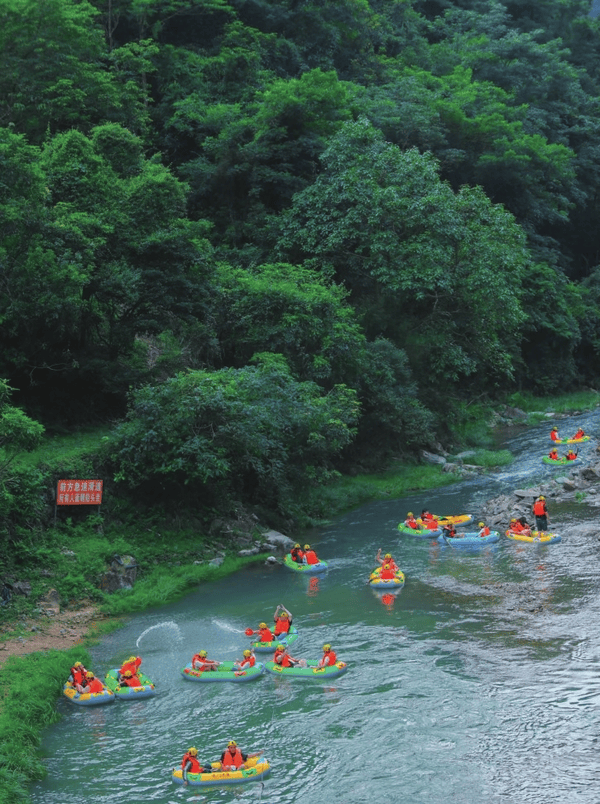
{"x":554,"y":435}
{"x":311,"y":557}
{"x":412,"y":523}
{"x":234,"y":758}
{"x":553,"y":454}
{"x":516,"y":527}
{"x":133,"y":666}
{"x":282,"y":625}
{"x":78,"y":674}
{"x":330,"y":657}
{"x":134,"y":681}
{"x":94,"y":685}
{"x":196,"y":768}
{"x":539,"y":508}
{"x":249,"y":662}
{"x":297,"y":554}
{"x":484,"y":531}
{"x":265,"y":635}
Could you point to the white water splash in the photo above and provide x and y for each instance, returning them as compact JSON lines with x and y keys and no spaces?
{"x":226,"y":627}
{"x":170,"y":625}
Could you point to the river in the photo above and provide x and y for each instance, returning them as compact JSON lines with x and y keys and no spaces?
{"x":476,"y":683}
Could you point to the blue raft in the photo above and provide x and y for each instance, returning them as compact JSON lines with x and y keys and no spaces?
{"x":470,"y":539}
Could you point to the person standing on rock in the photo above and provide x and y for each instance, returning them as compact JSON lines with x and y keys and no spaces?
{"x":540,"y":513}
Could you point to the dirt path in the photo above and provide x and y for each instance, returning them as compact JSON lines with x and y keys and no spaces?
{"x":58,"y":631}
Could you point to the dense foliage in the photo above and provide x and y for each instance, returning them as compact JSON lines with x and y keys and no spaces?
{"x":278,"y":237}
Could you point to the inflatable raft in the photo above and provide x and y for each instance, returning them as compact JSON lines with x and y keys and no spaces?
{"x":146,"y":690}
{"x":559,"y":461}
{"x":320,"y":566}
{"x":257,"y":768}
{"x":310,"y":671}
{"x":421,"y":533}
{"x":571,"y":440}
{"x":458,"y":520}
{"x":470,"y":539}
{"x":282,"y":639}
{"x":88,"y":698}
{"x":225,"y":672}
{"x":535,"y":538}
{"x":376,"y":580}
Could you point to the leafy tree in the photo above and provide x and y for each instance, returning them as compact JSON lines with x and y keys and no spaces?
{"x":437,"y":272}
{"x":111,"y":258}
{"x":253,"y":434}
{"x":288,"y":310}
{"x":52,"y":70}
{"x":18,"y":433}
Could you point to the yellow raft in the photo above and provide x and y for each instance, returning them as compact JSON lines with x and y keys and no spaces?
{"x":256,"y":769}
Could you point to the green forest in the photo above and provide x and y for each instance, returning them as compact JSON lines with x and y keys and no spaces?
{"x":263,"y":242}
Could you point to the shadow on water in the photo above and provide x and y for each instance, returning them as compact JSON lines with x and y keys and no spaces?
{"x":475,"y":682}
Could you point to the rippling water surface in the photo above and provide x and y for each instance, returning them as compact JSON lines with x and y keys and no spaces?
{"x":476,"y":683}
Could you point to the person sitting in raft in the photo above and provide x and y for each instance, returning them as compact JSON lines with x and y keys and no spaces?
{"x":283,"y":658}
{"x":389,"y":568}
{"x":133,"y":664}
{"x":485,"y":531}
{"x":525,"y":528}
{"x":247,"y":662}
{"x":282,"y":619}
{"x":410,"y":521}
{"x":200,"y":662}
{"x":579,"y":434}
{"x":92,"y":684}
{"x":554,"y":434}
{"x":297,"y":554}
{"x":78,"y":672}
{"x":129,"y":679}
{"x":190,"y":763}
{"x":449,"y":531}
{"x":232,"y":758}
{"x":515,"y":526}
{"x":553,"y":454}
{"x":263,"y":631}
{"x":429,"y":520}
{"x":328,"y":659}
{"x":310,"y":557}
{"x":571,"y":455}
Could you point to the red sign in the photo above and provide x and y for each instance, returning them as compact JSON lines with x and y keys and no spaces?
{"x":79,"y":492}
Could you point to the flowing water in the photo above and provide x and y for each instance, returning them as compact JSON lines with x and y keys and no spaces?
{"x":475,"y":683}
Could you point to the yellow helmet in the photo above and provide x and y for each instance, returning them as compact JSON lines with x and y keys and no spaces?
{"x":481,"y":525}
{"x":283,"y":614}
{"x":541,"y":497}
{"x":327,"y":646}
{"x":132,"y":659}
{"x":307,"y":546}
{"x":202,"y":653}
{"x":514,"y":519}
{"x":297,"y":546}
{"x":262,"y":625}
{"x":388,"y":555}
{"x":232,"y":744}
{"x":193,"y":751}
{"x":410,"y":513}
{"x":77,"y":664}
{"x":128,"y":673}
{"x":247,"y":652}
{"x":279,"y":648}
{"x":89,"y":674}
